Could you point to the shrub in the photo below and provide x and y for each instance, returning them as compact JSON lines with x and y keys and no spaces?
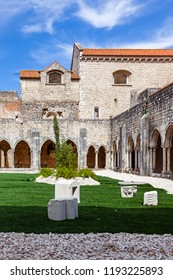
{"x":86,"y":173}
{"x":65,"y":172}
{"x":46,"y":172}
{"x":66,"y":156}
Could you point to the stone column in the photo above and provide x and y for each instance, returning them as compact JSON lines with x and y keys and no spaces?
{"x":96,"y":160}
{"x":107,"y":160}
{"x":35,"y":154}
{"x":144,"y":145}
{"x":154,"y":159}
{"x":168,"y":159}
{"x":83,"y":148}
{"x":164,"y":160}
{"x":136,"y":159}
{"x":123,"y":145}
{"x":118,"y":159}
{"x":12,"y":158}
{"x":130,"y":159}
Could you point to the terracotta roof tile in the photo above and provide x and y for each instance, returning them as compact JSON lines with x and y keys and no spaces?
{"x":74,"y":76}
{"x":30,"y":74}
{"x":35,"y":74}
{"x":127,"y":52}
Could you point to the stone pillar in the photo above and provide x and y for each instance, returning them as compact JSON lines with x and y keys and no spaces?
{"x":136,"y":159}
{"x":35,"y":159}
{"x":151,"y":158}
{"x":107,"y":160}
{"x":2,"y":159}
{"x":164,"y":160}
{"x":168,"y":159}
{"x":144,"y":145}
{"x":83,"y":148}
{"x":130,"y":159}
{"x":154,"y":159}
{"x":118,"y":159}
{"x":12,"y":158}
{"x":123,"y":145}
{"x":96,"y":160}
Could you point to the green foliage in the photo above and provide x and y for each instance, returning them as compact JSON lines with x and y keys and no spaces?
{"x":86,"y":173}
{"x":66,"y":159}
{"x":65,"y":172}
{"x":66,"y":156}
{"x":56,"y":133}
{"x":46,"y":172}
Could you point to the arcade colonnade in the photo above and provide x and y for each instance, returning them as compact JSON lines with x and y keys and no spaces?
{"x":160,"y":153}
{"x":21,"y":156}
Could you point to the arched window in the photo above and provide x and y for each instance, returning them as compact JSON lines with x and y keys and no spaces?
{"x":121,"y":77}
{"x":55,"y":77}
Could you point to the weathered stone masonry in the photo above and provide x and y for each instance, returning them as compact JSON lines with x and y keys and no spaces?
{"x":152,"y":122}
{"x":114,"y":106}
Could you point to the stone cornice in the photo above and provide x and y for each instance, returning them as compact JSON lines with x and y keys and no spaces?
{"x":129,"y":59}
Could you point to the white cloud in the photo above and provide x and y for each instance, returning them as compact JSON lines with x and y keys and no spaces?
{"x":44,"y":13}
{"x":159,"y":39}
{"x":12,"y":8}
{"x":55,"y":51}
{"x":108,"y":13}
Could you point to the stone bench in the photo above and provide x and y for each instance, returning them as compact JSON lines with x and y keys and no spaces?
{"x":63,"y":208}
{"x":128,"y":191}
{"x":130,"y":183}
{"x":150,"y":198}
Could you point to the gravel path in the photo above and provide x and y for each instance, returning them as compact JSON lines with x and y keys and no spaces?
{"x":85,"y":246}
{"x":91,"y":246}
{"x":161,"y":183}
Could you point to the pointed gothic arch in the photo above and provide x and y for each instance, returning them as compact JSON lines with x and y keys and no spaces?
{"x":131,"y":153}
{"x":169,"y":147}
{"x":22,"y":155}
{"x":5,"y":154}
{"x":157,"y":152}
{"x":101,"y":157}
{"x":91,"y":157}
{"x":48,"y":154}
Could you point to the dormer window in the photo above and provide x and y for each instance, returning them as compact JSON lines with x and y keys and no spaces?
{"x":121,"y":77}
{"x":55,"y":77}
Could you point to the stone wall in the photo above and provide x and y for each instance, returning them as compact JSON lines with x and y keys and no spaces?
{"x":149,"y":119}
{"x":98,"y":89}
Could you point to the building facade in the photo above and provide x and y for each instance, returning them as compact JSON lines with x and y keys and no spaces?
{"x":114,"y":106}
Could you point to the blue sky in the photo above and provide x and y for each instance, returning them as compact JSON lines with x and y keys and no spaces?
{"x":35,"y":33}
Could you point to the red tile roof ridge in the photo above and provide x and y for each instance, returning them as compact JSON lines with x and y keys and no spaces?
{"x":127,"y":52}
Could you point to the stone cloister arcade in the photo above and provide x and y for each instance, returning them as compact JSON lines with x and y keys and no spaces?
{"x":160,"y":153}
{"x":21,"y":155}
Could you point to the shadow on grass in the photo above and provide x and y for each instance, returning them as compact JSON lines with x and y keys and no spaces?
{"x":147,"y":220}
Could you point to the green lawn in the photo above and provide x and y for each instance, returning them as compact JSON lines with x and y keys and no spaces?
{"x":23,"y":208}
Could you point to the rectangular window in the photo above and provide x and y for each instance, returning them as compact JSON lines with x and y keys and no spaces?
{"x":96,"y":112}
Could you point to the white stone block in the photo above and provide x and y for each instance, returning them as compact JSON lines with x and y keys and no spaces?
{"x":128,"y":191}
{"x":57,"y":209}
{"x":151,"y":198}
{"x":67,"y":188}
{"x":71,"y":208}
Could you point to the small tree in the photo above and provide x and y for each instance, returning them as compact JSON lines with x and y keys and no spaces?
{"x":65,"y":157}
{"x":56,"y":133}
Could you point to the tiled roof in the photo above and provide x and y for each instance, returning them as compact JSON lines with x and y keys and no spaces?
{"x":35,"y":74}
{"x":74,"y":76}
{"x":30,"y":74}
{"x":127,"y":52}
